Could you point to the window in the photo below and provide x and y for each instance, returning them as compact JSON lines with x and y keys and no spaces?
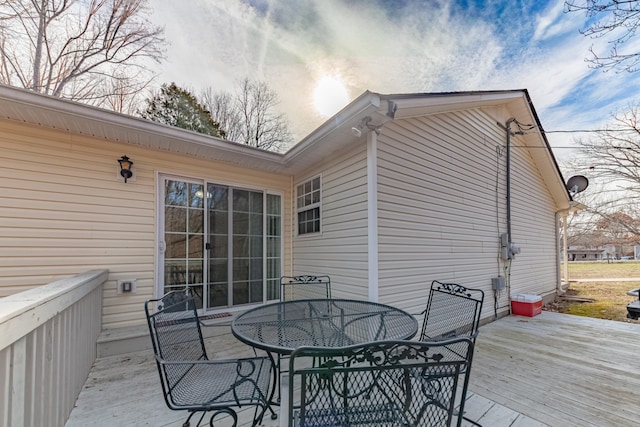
{"x":308,"y":206}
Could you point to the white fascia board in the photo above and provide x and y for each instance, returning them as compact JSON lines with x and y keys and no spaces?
{"x":415,"y":105}
{"x":48,"y":111}
{"x":367,"y":103}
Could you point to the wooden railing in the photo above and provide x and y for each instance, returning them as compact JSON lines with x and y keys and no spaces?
{"x":47,"y":347}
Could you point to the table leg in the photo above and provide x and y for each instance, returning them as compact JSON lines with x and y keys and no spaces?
{"x":276,"y":383}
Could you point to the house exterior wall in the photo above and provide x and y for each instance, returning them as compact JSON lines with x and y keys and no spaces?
{"x":534,"y":228}
{"x":64,"y":209}
{"x":340,"y":250}
{"x":441,"y":209}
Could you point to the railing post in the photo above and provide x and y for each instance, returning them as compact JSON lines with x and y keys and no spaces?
{"x":19,"y":381}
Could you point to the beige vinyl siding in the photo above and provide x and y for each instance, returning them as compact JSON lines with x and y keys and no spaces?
{"x":535,"y":269}
{"x":441,"y":209}
{"x":341,"y":249}
{"x":64,"y":209}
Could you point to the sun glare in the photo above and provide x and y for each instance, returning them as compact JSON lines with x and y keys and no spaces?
{"x":330,"y":95}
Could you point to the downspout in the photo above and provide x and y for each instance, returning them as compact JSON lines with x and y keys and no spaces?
{"x":372,"y":215}
{"x":508,"y":172}
{"x":507,"y":256}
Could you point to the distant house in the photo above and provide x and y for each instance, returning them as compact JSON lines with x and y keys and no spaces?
{"x":392,"y":192}
{"x":606,"y":252}
{"x":587,"y":254}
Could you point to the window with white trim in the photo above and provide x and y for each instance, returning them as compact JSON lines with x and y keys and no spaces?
{"x":308,"y":206}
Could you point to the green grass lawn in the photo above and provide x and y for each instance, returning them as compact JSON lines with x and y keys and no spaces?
{"x":610,"y":297}
{"x":602,"y":269}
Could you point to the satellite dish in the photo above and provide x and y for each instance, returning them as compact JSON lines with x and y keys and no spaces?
{"x":577,"y":184}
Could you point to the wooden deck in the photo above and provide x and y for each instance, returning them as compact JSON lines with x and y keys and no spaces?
{"x":553,"y":369}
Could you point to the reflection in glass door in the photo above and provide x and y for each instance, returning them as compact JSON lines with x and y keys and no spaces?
{"x":274,"y":246}
{"x":184,"y":238}
{"x":247,"y":246}
{"x":227,"y":251}
{"x":218,"y":246}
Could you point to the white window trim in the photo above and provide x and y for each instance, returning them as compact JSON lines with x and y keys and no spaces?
{"x":308,"y":207}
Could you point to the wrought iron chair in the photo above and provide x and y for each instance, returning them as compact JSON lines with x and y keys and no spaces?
{"x":384,"y":383}
{"x":452,"y":311}
{"x":190,"y":381}
{"x":304,"y":287}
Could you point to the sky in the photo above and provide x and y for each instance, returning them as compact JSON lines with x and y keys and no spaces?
{"x":318,"y":55}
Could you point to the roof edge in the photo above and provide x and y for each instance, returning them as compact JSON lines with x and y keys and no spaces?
{"x":366,"y":102}
{"x":95,"y":114}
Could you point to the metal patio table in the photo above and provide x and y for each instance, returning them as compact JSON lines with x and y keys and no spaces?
{"x":282,"y":327}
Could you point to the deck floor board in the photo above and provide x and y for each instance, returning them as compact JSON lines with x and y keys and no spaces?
{"x":561,"y":370}
{"x":549,"y":370}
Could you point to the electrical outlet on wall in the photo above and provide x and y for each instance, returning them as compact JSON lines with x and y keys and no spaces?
{"x":497,"y":283}
{"x":126,"y":286}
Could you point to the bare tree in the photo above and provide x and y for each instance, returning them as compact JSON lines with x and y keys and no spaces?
{"x":78,"y":49}
{"x":620,"y":229}
{"x":122,"y":94}
{"x":612,"y":201}
{"x":582,"y":227}
{"x":222,"y":106}
{"x":614,"y":153}
{"x":250,"y":116}
{"x":618,"y":19}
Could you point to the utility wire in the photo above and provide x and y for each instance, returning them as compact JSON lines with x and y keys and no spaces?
{"x":618,"y":147}
{"x":589,"y":130}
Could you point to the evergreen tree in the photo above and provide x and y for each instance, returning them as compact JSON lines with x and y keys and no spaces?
{"x":177,"y":107}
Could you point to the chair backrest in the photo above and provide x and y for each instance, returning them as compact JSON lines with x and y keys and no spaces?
{"x":452,"y":311}
{"x":384,"y":383}
{"x":175,"y":334}
{"x":304,"y":287}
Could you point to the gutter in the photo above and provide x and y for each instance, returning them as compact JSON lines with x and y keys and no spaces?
{"x":365,"y":104}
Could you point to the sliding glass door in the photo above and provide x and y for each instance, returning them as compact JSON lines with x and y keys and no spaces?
{"x":223,"y":244}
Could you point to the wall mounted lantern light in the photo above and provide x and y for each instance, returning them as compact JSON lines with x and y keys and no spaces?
{"x":125,"y":167}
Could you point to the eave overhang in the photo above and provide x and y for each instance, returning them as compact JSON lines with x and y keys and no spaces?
{"x":332,"y":136}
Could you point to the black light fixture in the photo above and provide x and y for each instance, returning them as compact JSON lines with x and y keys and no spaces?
{"x":125,"y":167}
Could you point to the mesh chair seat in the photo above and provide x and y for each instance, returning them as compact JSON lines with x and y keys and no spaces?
{"x":216,"y":384}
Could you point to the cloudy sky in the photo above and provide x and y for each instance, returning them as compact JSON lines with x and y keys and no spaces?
{"x":320,"y":54}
